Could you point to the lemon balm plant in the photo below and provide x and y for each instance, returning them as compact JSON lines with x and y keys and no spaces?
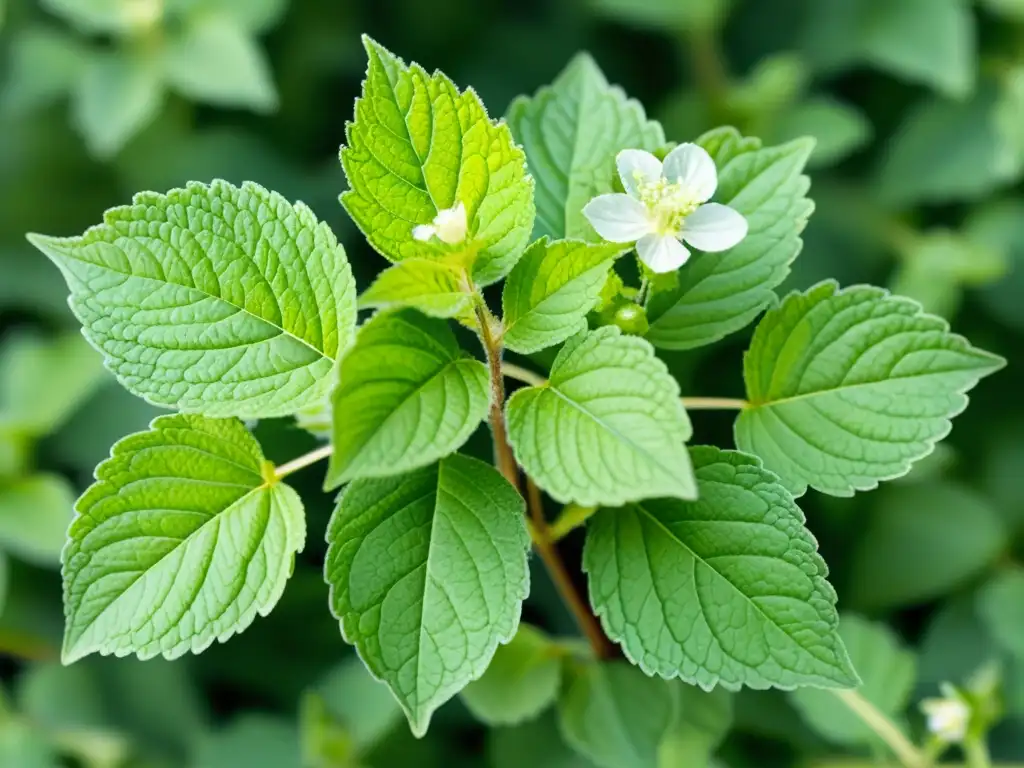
{"x":228,"y":304}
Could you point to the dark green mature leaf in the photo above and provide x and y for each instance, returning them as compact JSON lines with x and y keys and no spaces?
{"x":726,"y":590}
{"x":419,"y":146}
{"x":571,"y":131}
{"x":521,"y":682}
{"x":922,"y":541}
{"x":851,"y":387}
{"x":215,"y":299}
{"x":549,"y":293}
{"x":614,"y":715}
{"x":427,"y":572}
{"x":183,"y":540}
{"x":608,"y":426}
{"x":887,"y":671}
{"x":720,"y":293}
{"x":408,"y":396}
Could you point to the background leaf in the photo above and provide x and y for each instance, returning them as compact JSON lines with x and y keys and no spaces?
{"x":435,"y":287}
{"x":34,"y":516}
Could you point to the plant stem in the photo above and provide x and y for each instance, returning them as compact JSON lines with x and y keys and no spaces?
{"x":303,"y":461}
{"x":504,"y":457}
{"x":521,"y":374}
{"x":976,"y":751}
{"x":572,"y":517}
{"x":887,"y":731}
{"x":588,"y":623}
{"x":714,"y":403}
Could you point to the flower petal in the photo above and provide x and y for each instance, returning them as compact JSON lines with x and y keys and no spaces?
{"x":423,"y":232}
{"x":714,"y":227}
{"x":635,"y":166}
{"x":691,"y":166}
{"x":618,"y":218}
{"x":662,"y":253}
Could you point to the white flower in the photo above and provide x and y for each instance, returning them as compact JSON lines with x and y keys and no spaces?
{"x":449,"y":226}
{"x":663,"y":205}
{"x":948,"y":717}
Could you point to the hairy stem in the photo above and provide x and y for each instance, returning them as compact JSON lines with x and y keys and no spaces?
{"x":714,"y":403}
{"x":909,"y":755}
{"x":588,"y":623}
{"x":504,"y":457}
{"x":307,"y":459}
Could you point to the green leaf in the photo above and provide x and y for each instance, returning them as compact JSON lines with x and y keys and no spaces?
{"x":182,"y":541}
{"x":999,"y":227}
{"x":253,"y":15}
{"x":215,"y":299}
{"x":252,"y":739}
{"x":428,"y":572}
{"x":613,"y":714}
{"x":364,"y":706}
{"x":535,"y":743}
{"x":1001,"y":605}
{"x":42,"y":382}
{"x":217,"y":61}
{"x":925,"y":41}
{"x":408,"y":396}
{"x":548,"y":294}
{"x":108,"y":16}
{"x":837,"y":128}
{"x":34,"y":516}
{"x":887,"y":670}
{"x":850,"y":387}
{"x":419,"y":146}
{"x":705,"y":718}
{"x":659,"y":14}
{"x":727,"y":590}
{"x":571,"y":131}
{"x":521,"y":682}
{"x":720,"y":293}
{"x":1011,"y":9}
{"x":117,"y":95}
{"x":921,"y":542}
{"x":607,"y":428}
{"x":435,"y":287}
{"x":43,"y":68}
{"x":26,"y":746}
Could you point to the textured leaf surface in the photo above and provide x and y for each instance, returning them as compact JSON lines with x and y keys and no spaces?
{"x":419,"y":146}
{"x":571,"y":131}
{"x":720,"y":293}
{"x":521,"y":682}
{"x":547,"y":296}
{"x":408,"y":396}
{"x":215,"y":299}
{"x":850,"y":387}
{"x":727,"y":590}
{"x":428,"y":572}
{"x":34,"y":517}
{"x":614,"y":715}
{"x":887,"y":671}
{"x":607,"y":428}
{"x":435,"y":287}
{"x":180,"y":542}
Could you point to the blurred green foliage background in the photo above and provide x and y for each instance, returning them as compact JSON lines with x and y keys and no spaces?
{"x":918,"y":109}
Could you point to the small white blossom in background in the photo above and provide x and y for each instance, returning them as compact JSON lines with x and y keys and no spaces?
{"x":449,"y":226}
{"x":664,"y":204}
{"x":948,"y":717}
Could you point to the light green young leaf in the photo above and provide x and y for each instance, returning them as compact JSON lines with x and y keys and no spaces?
{"x":215,"y":299}
{"x":887,"y":670}
{"x":547,"y":296}
{"x":217,"y":61}
{"x":34,"y":516}
{"x":181,"y":541}
{"x":720,"y":293}
{"x":837,"y":128}
{"x":117,"y":95}
{"x":925,"y":41}
{"x":521,"y":682}
{"x":922,"y":541}
{"x":607,"y":428}
{"x":613,"y":714}
{"x":44,"y":66}
{"x":428,"y":572}
{"x":1001,"y":605}
{"x":571,"y":131}
{"x":42,"y":382}
{"x":15,"y":452}
{"x":408,"y":396}
{"x":727,"y":590}
{"x":419,"y":146}
{"x":851,"y":387}
{"x":435,"y":287}
{"x":705,"y":718}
